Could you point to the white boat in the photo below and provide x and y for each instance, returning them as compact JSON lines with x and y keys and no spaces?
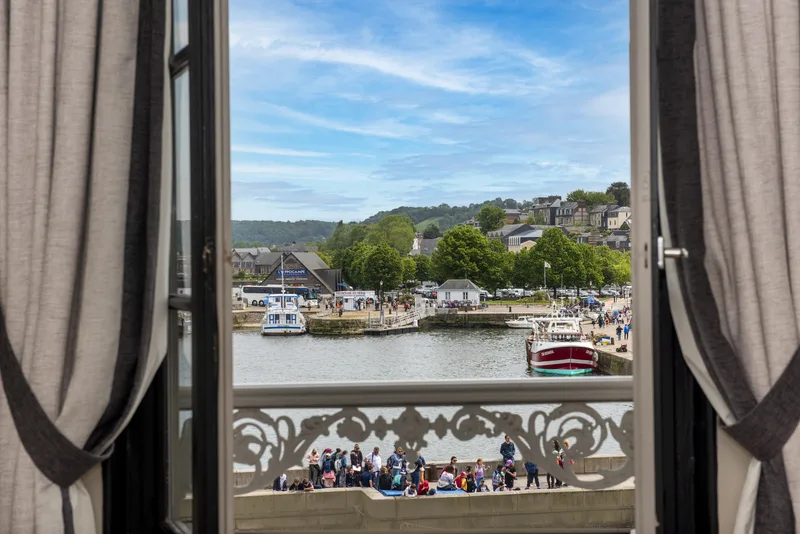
{"x":525,"y":321}
{"x":283,"y":317}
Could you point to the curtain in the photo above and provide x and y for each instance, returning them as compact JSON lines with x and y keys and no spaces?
{"x":84,"y":241}
{"x":729,"y":128}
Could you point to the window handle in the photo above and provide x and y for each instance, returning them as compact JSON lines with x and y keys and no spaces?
{"x":673,"y":253}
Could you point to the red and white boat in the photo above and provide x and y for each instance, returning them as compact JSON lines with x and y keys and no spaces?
{"x":557,"y":346}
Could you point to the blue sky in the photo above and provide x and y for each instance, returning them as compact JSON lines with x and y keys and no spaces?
{"x":341,"y":108}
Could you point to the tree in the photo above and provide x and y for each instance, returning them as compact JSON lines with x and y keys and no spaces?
{"x":396,"y":230}
{"x":349,"y":260}
{"x":431,"y":232}
{"x":464,"y":252}
{"x":592,"y":198}
{"x":562,"y":255}
{"x":324,"y":256}
{"x":382,"y":263}
{"x":536,"y":219}
{"x":592,"y":267}
{"x":345,"y":235}
{"x":528,"y":269}
{"x":409,"y":270}
{"x":423,"y":266}
{"x":621,"y":192}
{"x":490,"y":218}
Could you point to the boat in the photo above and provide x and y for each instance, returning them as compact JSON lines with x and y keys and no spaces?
{"x":525,"y":321}
{"x":282,"y":316}
{"x":557,"y":346}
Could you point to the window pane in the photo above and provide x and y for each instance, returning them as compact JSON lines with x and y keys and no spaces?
{"x":182,"y":186}
{"x":180,"y":26}
{"x":179,"y":364}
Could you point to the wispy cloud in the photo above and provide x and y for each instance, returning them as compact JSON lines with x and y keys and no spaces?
{"x":278,"y":151}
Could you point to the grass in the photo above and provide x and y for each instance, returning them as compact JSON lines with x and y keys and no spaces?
{"x":427,"y":222}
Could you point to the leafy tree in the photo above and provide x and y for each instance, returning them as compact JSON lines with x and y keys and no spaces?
{"x":465,"y":252}
{"x":592,"y":198}
{"x":562,"y":255}
{"x":409,"y":269}
{"x":382,"y":263}
{"x":396,"y":230}
{"x":324,"y":256}
{"x":345,"y":235}
{"x":592,"y":266}
{"x":491,"y":218}
{"x":280,"y":232}
{"x":349,"y":260}
{"x":536,"y":219}
{"x":528,"y":269}
{"x":423,"y":267}
{"x":431,"y":232}
{"x":621,"y":192}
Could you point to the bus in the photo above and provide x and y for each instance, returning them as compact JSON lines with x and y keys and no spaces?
{"x":257,"y":295}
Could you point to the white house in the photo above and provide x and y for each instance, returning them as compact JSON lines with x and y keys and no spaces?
{"x":458,"y":291}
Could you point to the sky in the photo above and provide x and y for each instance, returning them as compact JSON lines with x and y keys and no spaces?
{"x":342,"y":108}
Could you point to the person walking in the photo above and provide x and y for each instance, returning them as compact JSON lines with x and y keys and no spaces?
{"x":619,"y":333}
{"x":508,"y":450}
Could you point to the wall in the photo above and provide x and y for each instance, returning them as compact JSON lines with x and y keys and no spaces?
{"x":614,"y":363}
{"x":336,"y":326}
{"x":356,"y":509}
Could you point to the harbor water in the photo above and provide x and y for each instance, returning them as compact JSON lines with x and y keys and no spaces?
{"x":431,"y":356}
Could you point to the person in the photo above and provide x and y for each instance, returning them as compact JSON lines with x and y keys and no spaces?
{"x":423,"y":487}
{"x":469,"y":485}
{"x":510,"y":474}
{"x":507,"y":450}
{"x":419,"y":466}
{"x":480,"y":473}
{"x":357,"y":458}
{"x":397,"y":461}
{"x":279,"y":484}
{"x":497,"y":477}
{"x":314,"y":471}
{"x":374,"y":459}
{"x":533,"y":474}
{"x":461,"y":481}
{"x":350,"y":478}
{"x":619,"y":333}
{"x":447,"y":480}
{"x":626,"y":330}
{"x":365,"y":479}
{"x":295,"y":485}
{"x":328,"y":471}
{"x":385,"y":479}
{"x":551,"y":479}
{"x":453,"y":462}
{"x":341,"y":468}
{"x":483,"y":487}
{"x":305,"y":485}
{"x":410,"y":491}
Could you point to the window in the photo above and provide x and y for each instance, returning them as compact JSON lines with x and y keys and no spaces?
{"x":464,"y":296}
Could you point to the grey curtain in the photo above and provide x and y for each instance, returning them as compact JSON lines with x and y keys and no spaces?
{"x":84,"y":239}
{"x":729,"y":125}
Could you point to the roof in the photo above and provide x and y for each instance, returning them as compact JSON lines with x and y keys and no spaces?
{"x":426,"y":247}
{"x":458,"y":285}
{"x":568,"y":205}
{"x":511,"y":211}
{"x":534,"y":233}
{"x":621,"y":209}
{"x":310,"y":260}
{"x":255,"y":251}
{"x":505,"y":230}
{"x":600,"y":208}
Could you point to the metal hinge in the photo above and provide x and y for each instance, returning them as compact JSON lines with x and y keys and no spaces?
{"x":673,"y":253}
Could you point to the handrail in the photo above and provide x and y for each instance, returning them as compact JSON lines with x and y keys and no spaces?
{"x":442,"y":393}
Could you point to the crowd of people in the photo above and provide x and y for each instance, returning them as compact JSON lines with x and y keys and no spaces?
{"x":341,"y":468}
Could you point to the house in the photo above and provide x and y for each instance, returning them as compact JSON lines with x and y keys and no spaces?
{"x":598,"y":215}
{"x":616,"y":241}
{"x":523,"y":240}
{"x":425,"y":247}
{"x":507,"y":230}
{"x":299,"y":268}
{"x":513,"y":215}
{"x":472,"y":221}
{"x":572,"y":214}
{"x":244,"y":259}
{"x":514,"y":236}
{"x":617,"y":217}
{"x":546,"y":200}
{"x":458,"y":290}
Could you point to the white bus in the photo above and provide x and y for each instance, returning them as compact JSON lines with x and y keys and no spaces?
{"x":257,"y":295}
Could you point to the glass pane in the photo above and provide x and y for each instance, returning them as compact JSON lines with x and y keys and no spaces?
{"x":180,"y":24}
{"x":179,"y":364}
{"x":182,"y":186}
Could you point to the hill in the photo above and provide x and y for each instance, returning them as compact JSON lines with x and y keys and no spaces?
{"x":444,"y":215}
{"x":280,"y":232}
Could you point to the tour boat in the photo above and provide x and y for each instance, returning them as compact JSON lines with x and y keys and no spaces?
{"x":557,"y":346}
{"x":283,"y":316}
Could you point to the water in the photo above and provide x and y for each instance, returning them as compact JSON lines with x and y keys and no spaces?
{"x":444,"y":354}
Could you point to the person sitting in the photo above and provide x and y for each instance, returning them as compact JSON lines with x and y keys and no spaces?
{"x":447,"y":480}
{"x":385,"y":480}
{"x":423,"y":487}
{"x":365,"y":479}
{"x":483,"y":487}
{"x":306,"y":485}
{"x":295,"y":485}
{"x":410,"y":491}
{"x":279,"y":484}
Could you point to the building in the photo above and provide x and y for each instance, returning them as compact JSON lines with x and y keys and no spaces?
{"x":617,"y":217}
{"x":458,"y":290}
{"x":244,"y":259}
{"x":513,"y":215}
{"x":598,"y":215}
{"x":300,"y":269}
{"x":425,"y":247}
{"x":572,"y":214}
{"x":515,"y":236}
{"x":619,"y":240}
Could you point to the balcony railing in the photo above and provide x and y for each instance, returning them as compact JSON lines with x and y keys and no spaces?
{"x":268,"y":443}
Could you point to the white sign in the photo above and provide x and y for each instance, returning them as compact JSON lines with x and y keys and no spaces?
{"x":355,"y":294}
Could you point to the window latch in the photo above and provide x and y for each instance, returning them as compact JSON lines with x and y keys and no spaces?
{"x":673,"y":253}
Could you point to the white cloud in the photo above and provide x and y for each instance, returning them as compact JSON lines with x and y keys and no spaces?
{"x":614,"y":104}
{"x":449,"y":118}
{"x":278,"y":151}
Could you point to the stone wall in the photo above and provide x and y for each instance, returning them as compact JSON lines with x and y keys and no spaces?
{"x":336,"y":326}
{"x":470,"y":320}
{"x":614,"y":363}
{"x":356,"y":509}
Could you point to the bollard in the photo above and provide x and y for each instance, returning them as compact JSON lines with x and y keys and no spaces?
{"x":509,"y":309}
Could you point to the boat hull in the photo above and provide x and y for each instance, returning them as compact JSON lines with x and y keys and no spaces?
{"x":562,"y":359}
{"x":282,"y":330}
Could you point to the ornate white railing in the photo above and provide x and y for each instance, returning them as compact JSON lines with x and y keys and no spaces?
{"x":269,"y":443}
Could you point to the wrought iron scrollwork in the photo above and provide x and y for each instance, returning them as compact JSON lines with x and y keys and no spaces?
{"x":284,"y":445}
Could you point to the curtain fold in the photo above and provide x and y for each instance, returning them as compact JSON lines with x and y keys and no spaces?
{"x":729,"y":122}
{"x":84,"y":246}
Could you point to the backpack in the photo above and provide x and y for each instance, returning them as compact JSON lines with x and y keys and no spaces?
{"x":497,"y":478}
{"x":397,"y":482}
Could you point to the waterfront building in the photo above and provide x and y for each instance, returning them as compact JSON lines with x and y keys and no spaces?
{"x":306,"y":269}
{"x":458,"y":290}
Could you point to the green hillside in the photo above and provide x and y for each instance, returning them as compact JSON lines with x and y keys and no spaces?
{"x":427,"y":222}
{"x":279,"y":232}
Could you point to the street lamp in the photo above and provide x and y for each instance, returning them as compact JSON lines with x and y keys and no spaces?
{"x":381,"y":301}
